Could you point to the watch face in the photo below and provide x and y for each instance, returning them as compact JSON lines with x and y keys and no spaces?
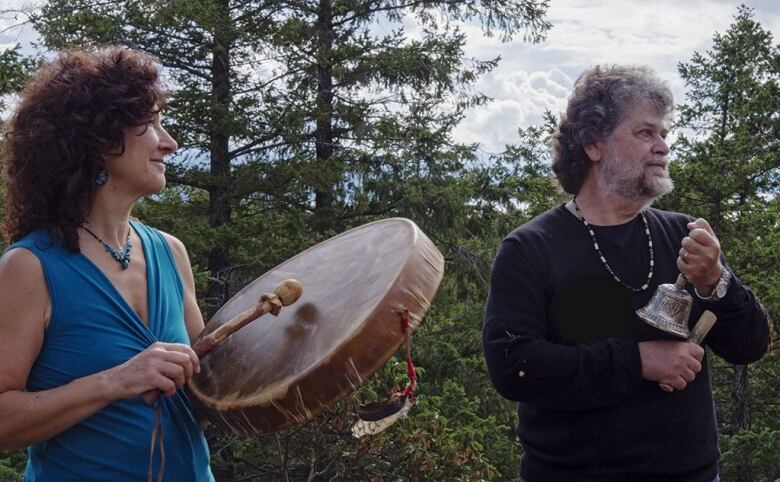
{"x":720,"y":290}
{"x":722,"y":286}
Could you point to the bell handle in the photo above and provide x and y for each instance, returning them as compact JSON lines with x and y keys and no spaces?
{"x":681,"y":281}
{"x":703,"y":326}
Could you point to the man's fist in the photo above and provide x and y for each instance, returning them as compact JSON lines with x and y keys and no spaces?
{"x":699,"y":258}
{"x":674,"y":363}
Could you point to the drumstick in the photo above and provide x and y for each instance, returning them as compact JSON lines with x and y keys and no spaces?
{"x":703,"y":326}
{"x":286,"y":293}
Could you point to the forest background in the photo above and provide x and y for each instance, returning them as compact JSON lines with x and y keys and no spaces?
{"x":300,"y":119}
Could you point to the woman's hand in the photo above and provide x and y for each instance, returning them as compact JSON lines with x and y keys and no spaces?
{"x":162,"y":366}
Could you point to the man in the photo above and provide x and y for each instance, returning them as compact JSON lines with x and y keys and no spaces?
{"x":561,"y":335}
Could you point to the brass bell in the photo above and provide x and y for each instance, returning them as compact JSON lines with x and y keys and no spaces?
{"x":669,"y":308}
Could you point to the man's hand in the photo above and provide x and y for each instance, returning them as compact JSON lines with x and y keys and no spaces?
{"x":699,"y":258}
{"x":674,"y":363}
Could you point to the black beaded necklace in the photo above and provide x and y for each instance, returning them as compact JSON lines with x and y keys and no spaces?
{"x":604,"y":260}
{"x":122,"y":257}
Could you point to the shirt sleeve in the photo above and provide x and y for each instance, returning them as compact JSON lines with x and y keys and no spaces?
{"x":741,"y":334}
{"x":525,"y":366}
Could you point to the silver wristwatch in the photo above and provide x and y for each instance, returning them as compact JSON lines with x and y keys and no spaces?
{"x":719,"y":291}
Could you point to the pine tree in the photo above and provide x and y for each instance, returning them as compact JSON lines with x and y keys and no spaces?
{"x":727,"y":171}
{"x":298,"y":119}
{"x":312,"y":106}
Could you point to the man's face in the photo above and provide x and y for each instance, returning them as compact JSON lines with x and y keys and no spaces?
{"x":635,"y":165}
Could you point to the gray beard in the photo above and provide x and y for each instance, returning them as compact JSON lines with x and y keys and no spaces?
{"x":641,"y":187}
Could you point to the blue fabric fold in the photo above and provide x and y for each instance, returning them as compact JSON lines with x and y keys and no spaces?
{"x":93,"y":328}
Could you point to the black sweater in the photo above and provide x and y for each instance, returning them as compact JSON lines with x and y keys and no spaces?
{"x":561,"y":337}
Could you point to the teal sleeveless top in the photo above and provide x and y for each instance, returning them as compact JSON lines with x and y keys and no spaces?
{"x":92,"y":328}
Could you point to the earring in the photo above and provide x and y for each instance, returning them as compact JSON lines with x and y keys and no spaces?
{"x":102,"y":177}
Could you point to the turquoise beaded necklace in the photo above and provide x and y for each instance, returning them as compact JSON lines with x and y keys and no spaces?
{"x":122,"y":257}
{"x":604,"y":260}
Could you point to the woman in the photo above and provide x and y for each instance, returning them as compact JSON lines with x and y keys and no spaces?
{"x":97,"y":310}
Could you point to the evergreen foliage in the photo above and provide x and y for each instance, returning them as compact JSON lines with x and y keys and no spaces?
{"x":299,"y":119}
{"x":726,"y":170}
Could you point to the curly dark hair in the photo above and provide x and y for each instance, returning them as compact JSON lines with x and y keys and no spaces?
{"x":602,"y":98}
{"x":73,"y":110}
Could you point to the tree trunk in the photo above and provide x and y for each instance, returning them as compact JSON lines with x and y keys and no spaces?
{"x":327,"y":176}
{"x":219,"y":204}
{"x":740,"y":417}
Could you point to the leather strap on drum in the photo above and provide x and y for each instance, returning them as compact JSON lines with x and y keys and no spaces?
{"x":378,"y":416}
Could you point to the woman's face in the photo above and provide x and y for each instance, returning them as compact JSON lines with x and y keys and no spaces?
{"x":140,"y":169}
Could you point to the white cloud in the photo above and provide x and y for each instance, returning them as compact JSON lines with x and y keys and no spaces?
{"x":532,"y":78}
{"x":520,"y":99}
{"x":13,"y":27}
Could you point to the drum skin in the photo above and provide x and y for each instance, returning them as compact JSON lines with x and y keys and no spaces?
{"x":279,"y":372}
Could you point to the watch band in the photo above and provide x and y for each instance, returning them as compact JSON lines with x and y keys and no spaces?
{"x":720,"y":287}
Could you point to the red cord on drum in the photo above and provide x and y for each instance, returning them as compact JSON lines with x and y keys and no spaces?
{"x":376,"y":417}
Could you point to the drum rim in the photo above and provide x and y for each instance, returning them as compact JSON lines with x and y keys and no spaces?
{"x":252,"y":402}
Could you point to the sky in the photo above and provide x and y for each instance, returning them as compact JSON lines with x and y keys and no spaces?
{"x":532,"y":78}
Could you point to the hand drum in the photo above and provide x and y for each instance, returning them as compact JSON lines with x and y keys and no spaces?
{"x":280,"y":372}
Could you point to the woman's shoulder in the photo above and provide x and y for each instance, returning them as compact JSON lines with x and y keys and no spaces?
{"x":173,"y":243}
{"x":21,"y":275}
{"x":19,"y":260}
{"x":41,"y":239}
{"x":177,"y":247}
{"x":167,"y":242}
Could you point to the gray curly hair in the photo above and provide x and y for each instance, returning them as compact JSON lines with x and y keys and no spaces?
{"x":602,"y":98}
